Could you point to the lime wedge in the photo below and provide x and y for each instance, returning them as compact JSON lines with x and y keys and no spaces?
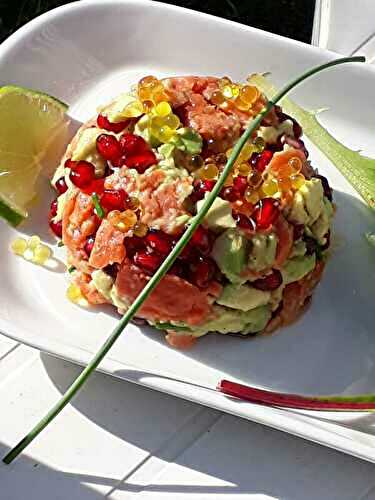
{"x":31,"y":124}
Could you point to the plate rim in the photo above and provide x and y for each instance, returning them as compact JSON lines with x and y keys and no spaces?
{"x":285,"y":420}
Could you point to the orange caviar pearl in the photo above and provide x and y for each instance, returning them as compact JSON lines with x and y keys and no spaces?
{"x":123,"y":221}
{"x":270,"y":186}
{"x":254,"y":178}
{"x":251,"y":196}
{"x":243,"y":169}
{"x":147,"y":81}
{"x":297,"y":180}
{"x":133,"y":203}
{"x":208,"y":172}
{"x":284,"y":183}
{"x":295,"y":164}
{"x":249,"y":94}
{"x":217,"y":98}
{"x":140,"y":229}
{"x":241,"y":104}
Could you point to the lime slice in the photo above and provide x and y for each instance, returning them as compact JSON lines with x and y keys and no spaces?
{"x":31,"y":124}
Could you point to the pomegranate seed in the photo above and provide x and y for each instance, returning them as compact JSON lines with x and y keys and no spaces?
{"x":141,"y":162}
{"x":111,"y":270}
{"x":244,"y":222}
{"x":82,"y":174}
{"x":95,"y":186}
{"x":202,"y":272}
{"x":201,"y":239}
{"x":179,"y":269}
{"x":147,"y":261}
{"x":266,"y":212}
{"x":89,"y":245}
{"x":328,"y":242}
{"x":311,"y":245}
{"x":132,"y":144}
{"x":159,"y":242}
{"x":230,"y":194}
{"x":103,"y":122}
{"x":261,"y":160}
{"x":112,"y":199}
{"x":56,"y":228}
{"x":108,"y":147}
{"x":298,"y":230}
{"x":53,"y":208}
{"x":61,"y":185}
{"x":270,"y":282}
{"x":240,"y":185}
{"x":133,"y":245}
{"x":326,"y":187}
{"x":69,"y":163}
{"x":201,"y":188}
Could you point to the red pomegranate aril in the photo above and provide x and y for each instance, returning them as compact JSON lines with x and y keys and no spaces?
{"x":326,"y":187}
{"x":240,"y":184}
{"x":159,"y":242}
{"x":133,"y":245}
{"x":141,"y":162}
{"x":201,"y":239}
{"x":178,"y":269}
{"x":113,"y":199}
{"x":245,"y":223}
{"x":311,"y":245}
{"x":298,"y":230}
{"x":69,"y":163}
{"x":53,"y":209}
{"x":147,"y":261}
{"x":95,"y":186}
{"x":89,"y":245}
{"x":103,"y":122}
{"x":261,"y":160}
{"x":82,"y":174}
{"x":132,"y":144}
{"x":108,"y":147}
{"x":266,"y":212}
{"x":270,"y":282}
{"x":61,"y":186}
{"x":202,"y":272}
{"x":230,"y":194}
{"x":56,"y":228}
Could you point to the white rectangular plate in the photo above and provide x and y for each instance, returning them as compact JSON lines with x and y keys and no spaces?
{"x":86,"y":53}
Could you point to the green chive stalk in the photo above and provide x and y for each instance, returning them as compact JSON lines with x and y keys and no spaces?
{"x":168,"y":262}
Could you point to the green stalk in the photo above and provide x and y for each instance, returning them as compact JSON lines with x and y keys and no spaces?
{"x":166,"y":265}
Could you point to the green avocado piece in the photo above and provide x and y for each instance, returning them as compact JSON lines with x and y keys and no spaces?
{"x":243,"y":297}
{"x":187,"y":140}
{"x":115,"y":112}
{"x":232,"y":320}
{"x":263,"y":251}
{"x":219,"y":216}
{"x":296,"y":268}
{"x":230,"y":252}
{"x":307,"y":203}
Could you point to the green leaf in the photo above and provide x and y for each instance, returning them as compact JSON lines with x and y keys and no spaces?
{"x":359,"y":170}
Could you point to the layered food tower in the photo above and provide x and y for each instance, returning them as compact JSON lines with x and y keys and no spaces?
{"x":134,"y":176}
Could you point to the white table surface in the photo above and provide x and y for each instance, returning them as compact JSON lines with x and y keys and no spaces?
{"x":119,"y":441}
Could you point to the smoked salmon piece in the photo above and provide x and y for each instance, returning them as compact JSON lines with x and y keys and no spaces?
{"x":109,"y":246}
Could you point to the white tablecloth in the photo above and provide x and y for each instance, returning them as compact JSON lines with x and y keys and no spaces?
{"x":119,"y":441}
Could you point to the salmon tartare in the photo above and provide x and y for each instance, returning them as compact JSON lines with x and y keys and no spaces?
{"x":134,"y":176}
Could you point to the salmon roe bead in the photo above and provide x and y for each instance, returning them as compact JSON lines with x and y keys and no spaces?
{"x":123,"y":221}
{"x":270,"y":186}
{"x":295,"y":164}
{"x":140,"y":229}
{"x":254,"y":179}
{"x":208,"y":172}
{"x":249,"y":94}
{"x":217,"y":98}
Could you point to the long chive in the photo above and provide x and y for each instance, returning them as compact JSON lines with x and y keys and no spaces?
{"x":168,"y":262}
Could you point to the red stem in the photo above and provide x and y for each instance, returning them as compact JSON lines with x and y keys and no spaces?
{"x":282,"y":400}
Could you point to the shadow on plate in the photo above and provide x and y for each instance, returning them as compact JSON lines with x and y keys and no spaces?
{"x":332,"y":348}
{"x":136,"y":415}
